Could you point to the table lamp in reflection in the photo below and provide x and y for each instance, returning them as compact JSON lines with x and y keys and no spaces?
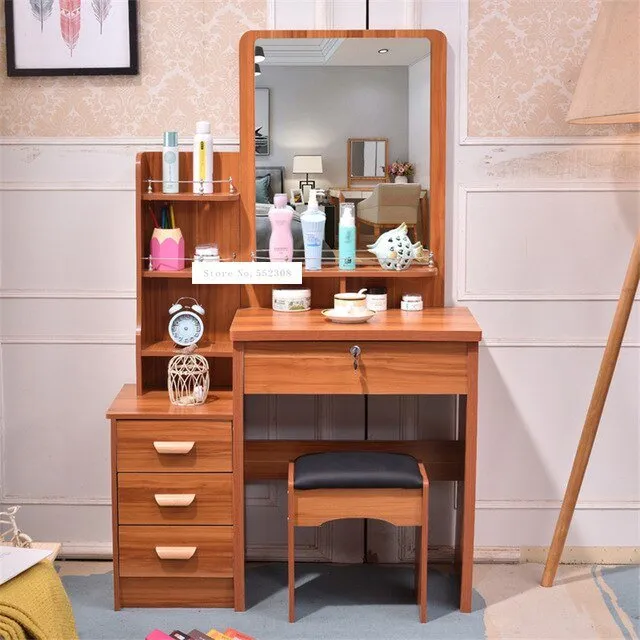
{"x":307,"y":165}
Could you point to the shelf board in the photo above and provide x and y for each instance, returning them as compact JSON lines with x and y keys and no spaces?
{"x":192,"y":197}
{"x":166,"y":348}
{"x":372,"y":271}
{"x":368,"y":271}
{"x":156,"y":404}
{"x":183,"y":273}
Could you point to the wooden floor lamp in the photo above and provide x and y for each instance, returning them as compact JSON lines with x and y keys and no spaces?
{"x":608,"y":91}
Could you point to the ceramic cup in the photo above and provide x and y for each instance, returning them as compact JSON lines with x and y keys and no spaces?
{"x":350,"y":302}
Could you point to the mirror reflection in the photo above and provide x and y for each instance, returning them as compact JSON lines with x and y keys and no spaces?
{"x":347,"y":118}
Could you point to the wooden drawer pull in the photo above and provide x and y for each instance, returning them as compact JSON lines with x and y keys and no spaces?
{"x":175,"y":553}
{"x":181,"y":448}
{"x":174,"y":499}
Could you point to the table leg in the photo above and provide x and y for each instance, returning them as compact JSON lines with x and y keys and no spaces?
{"x":469,"y":412}
{"x":238,"y":479}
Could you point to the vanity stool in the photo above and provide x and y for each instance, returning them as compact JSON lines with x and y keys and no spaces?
{"x":359,"y":484}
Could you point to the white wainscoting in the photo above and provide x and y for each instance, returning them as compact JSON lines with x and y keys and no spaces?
{"x":67,"y":322}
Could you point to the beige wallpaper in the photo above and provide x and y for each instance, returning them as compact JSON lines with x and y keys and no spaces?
{"x":189,"y":72}
{"x":524,"y":59}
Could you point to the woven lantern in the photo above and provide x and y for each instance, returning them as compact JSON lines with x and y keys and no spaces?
{"x":188,"y":379}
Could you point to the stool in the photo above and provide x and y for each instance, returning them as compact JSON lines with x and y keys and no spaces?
{"x":368,"y":484}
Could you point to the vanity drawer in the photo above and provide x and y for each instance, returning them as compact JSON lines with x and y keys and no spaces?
{"x":383,"y":367}
{"x":173,"y":445}
{"x":175,"y":498}
{"x":155,"y":552}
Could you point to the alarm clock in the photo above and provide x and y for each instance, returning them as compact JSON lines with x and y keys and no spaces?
{"x":185,"y":325}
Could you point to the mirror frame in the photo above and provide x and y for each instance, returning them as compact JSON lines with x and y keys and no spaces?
{"x":377,"y":179}
{"x":437,"y":144}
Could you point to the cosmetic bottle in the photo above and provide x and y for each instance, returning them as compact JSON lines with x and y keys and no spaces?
{"x":313,"y":221}
{"x":347,"y":238}
{"x":281,"y":240}
{"x":202,"y":158}
{"x":170,"y":164}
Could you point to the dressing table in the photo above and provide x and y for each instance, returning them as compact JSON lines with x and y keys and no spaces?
{"x":179,"y":473}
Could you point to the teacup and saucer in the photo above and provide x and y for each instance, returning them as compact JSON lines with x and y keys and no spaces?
{"x":349,"y":308}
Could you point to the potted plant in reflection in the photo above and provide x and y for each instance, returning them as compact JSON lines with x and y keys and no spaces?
{"x":400,"y":171}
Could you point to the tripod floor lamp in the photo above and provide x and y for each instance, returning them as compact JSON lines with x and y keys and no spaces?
{"x":607,"y":92}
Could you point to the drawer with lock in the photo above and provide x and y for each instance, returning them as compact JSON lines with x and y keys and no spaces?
{"x":355,"y":368}
{"x":175,"y":498}
{"x":173,"y":446}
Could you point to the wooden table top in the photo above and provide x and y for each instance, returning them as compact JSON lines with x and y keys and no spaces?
{"x":156,"y":405}
{"x":451,"y":324}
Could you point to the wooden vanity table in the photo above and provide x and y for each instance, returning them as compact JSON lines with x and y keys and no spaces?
{"x":401,"y":352}
{"x":179,"y":473}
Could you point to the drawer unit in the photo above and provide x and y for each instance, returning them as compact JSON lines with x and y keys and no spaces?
{"x":175,"y":498}
{"x":173,"y":445}
{"x":166,"y":551}
{"x":176,"y":592}
{"x":382,"y":367}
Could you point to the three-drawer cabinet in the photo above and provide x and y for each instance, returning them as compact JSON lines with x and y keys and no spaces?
{"x":172,"y":501}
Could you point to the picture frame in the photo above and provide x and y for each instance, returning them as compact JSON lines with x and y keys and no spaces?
{"x":71,"y":37}
{"x":296,"y":197}
{"x":262,"y":132}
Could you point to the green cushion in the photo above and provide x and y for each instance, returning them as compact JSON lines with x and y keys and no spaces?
{"x":262,"y":189}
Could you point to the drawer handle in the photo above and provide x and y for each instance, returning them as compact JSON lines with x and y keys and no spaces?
{"x":180,"y":448}
{"x":175,"y":553}
{"x":174,"y":499}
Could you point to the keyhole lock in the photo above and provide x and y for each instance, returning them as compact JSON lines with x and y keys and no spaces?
{"x":355,"y":352}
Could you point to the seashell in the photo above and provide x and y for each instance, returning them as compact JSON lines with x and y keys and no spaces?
{"x":394,"y":249}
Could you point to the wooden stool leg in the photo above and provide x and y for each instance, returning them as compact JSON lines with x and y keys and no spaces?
{"x":291,"y":569}
{"x":424,"y":538}
{"x":418,"y":567}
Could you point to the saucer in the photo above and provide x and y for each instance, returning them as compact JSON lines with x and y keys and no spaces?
{"x":348,"y":318}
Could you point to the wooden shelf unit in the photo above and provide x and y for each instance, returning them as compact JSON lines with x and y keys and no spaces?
{"x":202,"y":219}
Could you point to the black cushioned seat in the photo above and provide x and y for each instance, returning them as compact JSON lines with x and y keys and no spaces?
{"x":357,"y":470}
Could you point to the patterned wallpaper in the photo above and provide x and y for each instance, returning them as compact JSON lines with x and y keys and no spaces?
{"x":189,"y":72}
{"x":524,"y":60}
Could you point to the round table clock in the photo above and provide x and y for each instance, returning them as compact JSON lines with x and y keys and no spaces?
{"x":185,"y":325}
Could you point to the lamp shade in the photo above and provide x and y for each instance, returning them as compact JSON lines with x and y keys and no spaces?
{"x":307,"y":164}
{"x":608,"y":89}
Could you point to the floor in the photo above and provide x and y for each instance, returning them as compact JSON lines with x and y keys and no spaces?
{"x":375,"y":602}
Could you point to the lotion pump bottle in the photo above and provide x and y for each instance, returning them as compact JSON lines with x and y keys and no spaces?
{"x":170,"y":163}
{"x":313,"y":221}
{"x":203,"y":158}
{"x":281,"y":240}
{"x":347,"y":238}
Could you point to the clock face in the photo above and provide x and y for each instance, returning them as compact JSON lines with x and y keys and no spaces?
{"x":186,"y":328}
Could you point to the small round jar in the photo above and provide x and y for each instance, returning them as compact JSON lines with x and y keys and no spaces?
{"x":411,"y":302}
{"x":206,"y":253}
{"x":377,"y":298}
{"x":291,"y":300}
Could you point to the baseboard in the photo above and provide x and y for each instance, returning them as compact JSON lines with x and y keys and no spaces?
{"x":437,"y":554}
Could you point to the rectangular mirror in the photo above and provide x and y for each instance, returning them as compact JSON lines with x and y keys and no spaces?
{"x":367,"y":159}
{"x":362,"y":108}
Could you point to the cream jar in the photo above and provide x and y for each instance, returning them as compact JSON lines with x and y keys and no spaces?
{"x":377,"y":298}
{"x":350,"y":302}
{"x":291,"y":300}
{"x":411,"y":302}
{"x":206,"y":253}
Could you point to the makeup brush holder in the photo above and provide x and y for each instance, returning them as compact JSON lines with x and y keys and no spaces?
{"x":167,"y":250}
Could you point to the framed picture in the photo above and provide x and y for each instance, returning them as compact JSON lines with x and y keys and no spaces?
{"x":296,"y":197}
{"x":263,"y":147}
{"x":71,"y":37}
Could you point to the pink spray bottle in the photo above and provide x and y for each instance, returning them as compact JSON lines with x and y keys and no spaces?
{"x":281,"y":240}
